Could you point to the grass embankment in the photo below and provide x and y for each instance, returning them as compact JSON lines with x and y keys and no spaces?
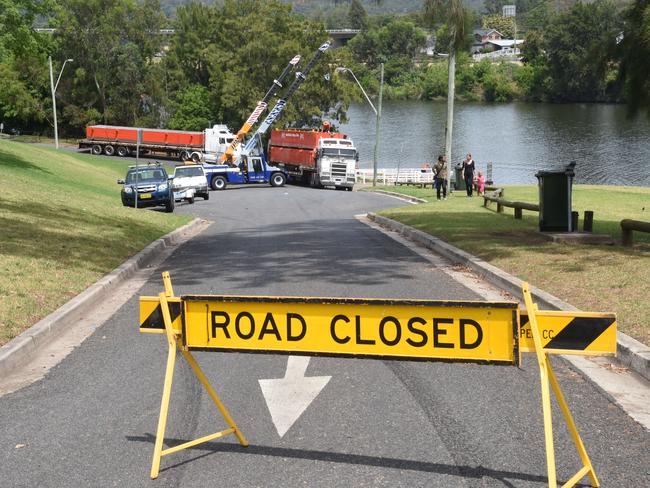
{"x":63,"y":226}
{"x":595,"y":278}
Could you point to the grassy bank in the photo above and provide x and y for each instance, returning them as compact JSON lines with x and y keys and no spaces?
{"x":63,"y":227}
{"x":597,"y":278}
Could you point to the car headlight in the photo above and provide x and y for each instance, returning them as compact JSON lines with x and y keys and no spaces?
{"x":162,"y":187}
{"x":128,"y":189}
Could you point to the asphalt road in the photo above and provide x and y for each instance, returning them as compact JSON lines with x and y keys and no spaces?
{"x":91,"y":421}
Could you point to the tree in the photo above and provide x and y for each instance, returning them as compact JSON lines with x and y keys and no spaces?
{"x":392,"y":37}
{"x":505,"y":25}
{"x":579,"y":46}
{"x":24,"y":85}
{"x":635,"y":46}
{"x":192,"y":109}
{"x":113,"y":43}
{"x":357,"y":16}
{"x":247,"y":43}
{"x":458,"y":21}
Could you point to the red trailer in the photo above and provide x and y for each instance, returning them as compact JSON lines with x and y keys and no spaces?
{"x":122,"y":141}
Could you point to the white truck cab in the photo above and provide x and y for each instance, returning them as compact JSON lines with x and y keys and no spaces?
{"x":216,"y":142}
{"x":337,"y":163}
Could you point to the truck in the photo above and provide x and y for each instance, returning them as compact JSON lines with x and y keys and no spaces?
{"x":111,"y":140}
{"x":315,"y":157}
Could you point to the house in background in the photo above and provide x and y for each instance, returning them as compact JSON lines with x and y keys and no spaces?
{"x":483,"y":36}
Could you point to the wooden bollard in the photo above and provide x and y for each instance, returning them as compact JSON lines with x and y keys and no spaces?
{"x":574,"y":221}
{"x":518,"y":213}
{"x":499,"y":207}
{"x":588,"y":222}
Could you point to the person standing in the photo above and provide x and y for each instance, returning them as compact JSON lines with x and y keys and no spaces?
{"x":468,"y":173}
{"x":442,"y":174}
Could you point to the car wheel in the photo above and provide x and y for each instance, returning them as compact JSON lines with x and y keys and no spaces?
{"x":218,"y":183}
{"x":278,"y":179}
{"x":122,"y":151}
{"x":169,"y":207}
{"x":109,"y":150}
{"x":206,"y":196}
{"x":190,"y":200}
{"x":96,"y":149}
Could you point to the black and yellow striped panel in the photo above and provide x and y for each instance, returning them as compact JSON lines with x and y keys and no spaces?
{"x":151,"y":319}
{"x":577,"y":333}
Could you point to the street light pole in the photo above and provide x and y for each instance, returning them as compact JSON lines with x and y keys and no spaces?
{"x":377,"y":115}
{"x":377,"y":123}
{"x":54,"y":87}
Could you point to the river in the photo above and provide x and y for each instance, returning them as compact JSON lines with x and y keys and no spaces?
{"x":518,"y":138}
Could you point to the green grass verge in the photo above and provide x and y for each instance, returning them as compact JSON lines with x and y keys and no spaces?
{"x":594,"y":278}
{"x":63,"y":227}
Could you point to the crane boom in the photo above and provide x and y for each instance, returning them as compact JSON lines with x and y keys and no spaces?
{"x":279,"y":106}
{"x":227,"y":156}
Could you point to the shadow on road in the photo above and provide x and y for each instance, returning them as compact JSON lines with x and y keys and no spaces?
{"x":336,"y":251}
{"x":469,"y":472}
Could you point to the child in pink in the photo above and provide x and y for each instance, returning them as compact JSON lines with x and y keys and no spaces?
{"x":480,"y":182}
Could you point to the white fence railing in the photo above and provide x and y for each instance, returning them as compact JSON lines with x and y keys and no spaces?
{"x":390,"y":176}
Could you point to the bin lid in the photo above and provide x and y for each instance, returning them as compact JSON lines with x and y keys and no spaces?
{"x":569,"y":170}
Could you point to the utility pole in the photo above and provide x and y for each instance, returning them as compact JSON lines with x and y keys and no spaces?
{"x":377,"y":124}
{"x":451,"y":90}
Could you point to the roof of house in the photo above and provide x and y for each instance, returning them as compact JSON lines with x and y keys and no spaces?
{"x":506,"y":42}
{"x":486,"y":32}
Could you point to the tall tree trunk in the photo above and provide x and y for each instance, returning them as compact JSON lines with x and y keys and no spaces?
{"x":451,"y":91}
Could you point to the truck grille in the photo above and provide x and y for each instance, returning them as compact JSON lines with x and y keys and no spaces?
{"x":339,"y":169}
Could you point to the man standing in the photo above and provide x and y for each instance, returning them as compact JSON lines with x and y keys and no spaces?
{"x":442,"y":174}
{"x":468,"y":174}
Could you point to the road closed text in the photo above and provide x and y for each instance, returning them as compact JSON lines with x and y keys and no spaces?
{"x":367,"y":328}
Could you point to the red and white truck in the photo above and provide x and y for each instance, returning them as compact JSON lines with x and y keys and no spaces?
{"x":318,"y":158}
{"x":207,"y":145}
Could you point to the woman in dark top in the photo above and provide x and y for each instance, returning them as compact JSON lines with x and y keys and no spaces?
{"x":468,"y":173}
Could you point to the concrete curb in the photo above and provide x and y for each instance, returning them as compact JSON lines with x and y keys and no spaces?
{"x":20,"y":349}
{"x":399,"y":195}
{"x":631,"y":352}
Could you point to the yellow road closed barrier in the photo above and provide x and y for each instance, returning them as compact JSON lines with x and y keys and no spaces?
{"x":431,"y":330}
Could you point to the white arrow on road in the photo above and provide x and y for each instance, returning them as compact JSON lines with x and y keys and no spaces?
{"x":288,"y":397}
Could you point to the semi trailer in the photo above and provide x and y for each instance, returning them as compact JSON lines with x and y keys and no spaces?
{"x":207,"y":145}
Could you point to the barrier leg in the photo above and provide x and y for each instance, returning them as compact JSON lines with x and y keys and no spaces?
{"x":167,"y":388}
{"x":587,"y":468}
{"x":173,"y":343}
{"x":215,"y":398}
{"x":548,"y":377}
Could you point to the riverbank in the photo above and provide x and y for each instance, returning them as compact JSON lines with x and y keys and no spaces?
{"x":64,"y":227}
{"x":591,"y":277}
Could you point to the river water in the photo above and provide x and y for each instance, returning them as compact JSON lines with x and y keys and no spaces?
{"x":518,"y":138}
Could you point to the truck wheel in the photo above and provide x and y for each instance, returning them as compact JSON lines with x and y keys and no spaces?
{"x":184,"y":156}
{"x":96,"y":149}
{"x":278,"y":179}
{"x":206,"y":195}
{"x":190,"y":200}
{"x":122,"y":151}
{"x":169,"y":206}
{"x":109,"y":150}
{"x":196,"y":157}
{"x":218,"y":183}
